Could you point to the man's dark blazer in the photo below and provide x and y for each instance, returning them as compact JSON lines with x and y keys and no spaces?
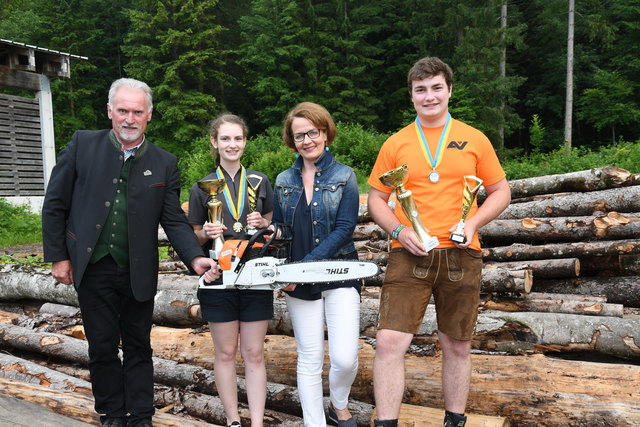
{"x":79,"y":196}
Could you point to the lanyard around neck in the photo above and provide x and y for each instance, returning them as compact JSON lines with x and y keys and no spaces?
{"x":444,"y":135}
{"x":235,"y":208}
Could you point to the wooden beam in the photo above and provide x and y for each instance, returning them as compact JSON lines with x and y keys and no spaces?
{"x":19,"y":79}
{"x":414,"y":415}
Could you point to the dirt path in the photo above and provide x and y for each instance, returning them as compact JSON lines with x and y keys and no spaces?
{"x":32,"y":249}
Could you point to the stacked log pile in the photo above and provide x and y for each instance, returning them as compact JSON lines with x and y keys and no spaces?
{"x":561,"y":276}
{"x":577,"y":235}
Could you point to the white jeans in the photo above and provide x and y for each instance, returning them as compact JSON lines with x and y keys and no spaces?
{"x":341,"y":310}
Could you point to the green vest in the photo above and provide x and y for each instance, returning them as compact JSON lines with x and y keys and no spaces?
{"x":114,"y":238}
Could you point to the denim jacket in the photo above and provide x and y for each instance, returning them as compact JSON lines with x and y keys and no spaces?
{"x":334,"y":207}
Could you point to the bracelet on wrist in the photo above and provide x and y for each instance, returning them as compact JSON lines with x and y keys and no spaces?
{"x":396,"y":231}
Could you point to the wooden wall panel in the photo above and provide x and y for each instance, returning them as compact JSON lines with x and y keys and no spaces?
{"x":21,"y":165}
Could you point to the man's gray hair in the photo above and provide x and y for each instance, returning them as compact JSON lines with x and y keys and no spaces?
{"x":133,"y":84}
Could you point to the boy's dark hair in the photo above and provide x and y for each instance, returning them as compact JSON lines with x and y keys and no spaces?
{"x":429,"y":66}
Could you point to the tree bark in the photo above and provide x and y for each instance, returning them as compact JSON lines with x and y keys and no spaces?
{"x":493,"y":280}
{"x":547,"y":268}
{"x":372,"y":245}
{"x":369,"y":231}
{"x":523,"y":252}
{"x":576,"y":204}
{"x":563,"y":229}
{"x":18,"y":369}
{"x":78,"y":406}
{"x":568,"y":105}
{"x":568,"y":332}
{"x":557,"y":305}
{"x":629,"y":264}
{"x":587,"y":180}
{"x":504,"y":280}
{"x":210,"y":408}
{"x":620,"y":290}
{"x":525,"y":400}
{"x":412,"y":415}
{"x":20,"y":282}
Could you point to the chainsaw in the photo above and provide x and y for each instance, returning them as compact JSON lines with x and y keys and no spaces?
{"x":248,"y":264}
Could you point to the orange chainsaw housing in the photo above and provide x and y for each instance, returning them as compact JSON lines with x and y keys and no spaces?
{"x":231,"y":249}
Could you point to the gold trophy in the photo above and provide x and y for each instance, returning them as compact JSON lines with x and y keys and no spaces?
{"x":213,"y":187}
{"x":253,"y":185}
{"x":395,"y":179}
{"x":471,"y":186}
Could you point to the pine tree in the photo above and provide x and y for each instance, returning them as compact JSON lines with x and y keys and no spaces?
{"x":174,"y":47}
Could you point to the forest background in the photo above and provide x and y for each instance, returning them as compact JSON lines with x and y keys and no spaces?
{"x":259,"y":58}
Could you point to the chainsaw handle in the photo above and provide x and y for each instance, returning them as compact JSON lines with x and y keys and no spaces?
{"x":260,"y":233}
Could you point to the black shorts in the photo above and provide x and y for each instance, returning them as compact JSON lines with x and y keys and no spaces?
{"x":226,"y":305}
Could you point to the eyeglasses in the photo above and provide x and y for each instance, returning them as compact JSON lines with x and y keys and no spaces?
{"x":311,"y":133}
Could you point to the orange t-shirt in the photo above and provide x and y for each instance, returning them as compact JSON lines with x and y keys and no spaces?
{"x":467,"y":152}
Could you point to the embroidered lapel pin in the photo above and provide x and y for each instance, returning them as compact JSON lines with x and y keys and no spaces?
{"x":147,"y":172}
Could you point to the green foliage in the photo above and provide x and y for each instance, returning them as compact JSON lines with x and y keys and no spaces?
{"x":319,"y":51}
{"x":259,"y":58}
{"x":265,"y":153}
{"x":625,"y":155}
{"x":196,"y":163}
{"x":358,"y":148}
{"x":477,"y":57}
{"x":268,"y":154}
{"x":272,"y":163}
{"x":18,"y":226}
{"x":354,"y":146}
{"x":173,"y":46}
{"x":19,"y":23}
{"x":536,"y":133}
{"x":614,"y":94}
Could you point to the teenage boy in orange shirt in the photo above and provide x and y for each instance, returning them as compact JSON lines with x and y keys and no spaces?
{"x":438,"y":151}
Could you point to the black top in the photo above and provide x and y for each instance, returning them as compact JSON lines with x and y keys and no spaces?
{"x":198,"y":199}
{"x":301,"y":245}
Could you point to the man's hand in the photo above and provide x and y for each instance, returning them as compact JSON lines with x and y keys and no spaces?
{"x":202,"y":264}
{"x":62,"y":271}
{"x":409,"y":240}
{"x":469,"y":231}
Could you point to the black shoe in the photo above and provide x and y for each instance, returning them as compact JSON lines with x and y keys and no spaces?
{"x":114,"y":422}
{"x":385,"y":423}
{"x":333,"y":417}
{"x":145,"y":422}
{"x":234,"y":424}
{"x":454,"y":420}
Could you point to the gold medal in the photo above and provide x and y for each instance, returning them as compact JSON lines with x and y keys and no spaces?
{"x":235,"y":208}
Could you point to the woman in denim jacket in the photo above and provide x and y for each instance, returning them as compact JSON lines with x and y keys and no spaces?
{"x":318,"y":198}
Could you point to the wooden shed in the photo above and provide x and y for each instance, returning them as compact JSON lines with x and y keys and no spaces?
{"x":27,"y":145}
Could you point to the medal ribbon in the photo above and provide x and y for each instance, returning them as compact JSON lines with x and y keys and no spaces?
{"x":425,"y":146}
{"x":235,"y":209}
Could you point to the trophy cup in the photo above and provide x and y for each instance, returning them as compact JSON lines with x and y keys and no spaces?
{"x":469,"y":192}
{"x":253,"y":185}
{"x":212,"y":187}
{"x":395,"y":179}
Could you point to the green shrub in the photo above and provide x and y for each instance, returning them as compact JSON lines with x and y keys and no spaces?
{"x":267,"y":153}
{"x":358,"y":148}
{"x":625,"y":155}
{"x":197,"y":164}
{"x":536,"y":133}
{"x":18,"y":226}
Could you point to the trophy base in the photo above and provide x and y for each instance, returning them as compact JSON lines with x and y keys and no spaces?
{"x":458,"y":238}
{"x":431,"y":243}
